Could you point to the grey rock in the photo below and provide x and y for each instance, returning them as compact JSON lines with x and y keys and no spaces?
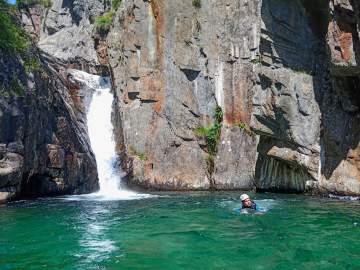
{"x":2,"y":150}
{"x":235,"y":161}
{"x":172,"y":64}
{"x":47,"y":147}
{"x":288,"y":69}
{"x":65,"y":30}
{"x":16,"y":147}
{"x":10,"y":170}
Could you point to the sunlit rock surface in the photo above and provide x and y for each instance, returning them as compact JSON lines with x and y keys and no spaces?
{"x":287,"y":68}
{"x":172,"y":64}
{"x":285,"y":73}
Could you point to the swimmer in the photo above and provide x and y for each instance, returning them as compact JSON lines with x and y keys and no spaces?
{"x":247,"y":202}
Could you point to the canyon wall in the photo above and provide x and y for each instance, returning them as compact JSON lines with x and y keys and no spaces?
{"x":286,"y":69}
{"x":173,"y":64}
{"x":44,"y":146}
{"x":208,"y":94}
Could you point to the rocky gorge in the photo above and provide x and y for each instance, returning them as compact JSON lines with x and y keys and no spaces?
{"x":209,"y":95}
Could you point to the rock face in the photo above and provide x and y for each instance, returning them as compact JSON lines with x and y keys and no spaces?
{"x":289,"y":69}
{"x":285,"y":74}
{"x":340,"y":155}
{"x":64,"y":30}
{"x":44,"y":148}
{"x":286,"y":101}
{"x":173,"y":64}
{"x":306,"y":102}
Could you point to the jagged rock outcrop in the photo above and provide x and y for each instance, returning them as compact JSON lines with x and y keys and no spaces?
{"x":306,"y":102}
{"x":340,"y":141}
{"x":286,"y":109}
{"x":44,"y":147}
{"x":65,"y":31}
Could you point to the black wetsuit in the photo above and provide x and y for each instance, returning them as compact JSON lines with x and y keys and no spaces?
{"x":253,"y":206}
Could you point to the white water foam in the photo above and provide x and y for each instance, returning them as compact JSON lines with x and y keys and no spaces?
{"x":102,"y":142}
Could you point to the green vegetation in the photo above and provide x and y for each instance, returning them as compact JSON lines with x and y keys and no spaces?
{"x":196,"y":3}
{"x":13,"y":39}
{"x":245,"y":127}
{"x":242,"y":125}
{"x":103,"y":22}
{"x":16,"y":87}
{"x":141,"y":156}
{"x":31,"y":64}
{"x":304,"y":71}
{"x":257,"y":59}
{"x":210,"y":164}
{"x":15,"y":42}
{"x":212,"y":134}
{"x":116,"y":4}
{"x":45,"y":3}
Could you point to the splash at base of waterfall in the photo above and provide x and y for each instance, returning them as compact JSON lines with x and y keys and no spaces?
{"x":98,"y":95}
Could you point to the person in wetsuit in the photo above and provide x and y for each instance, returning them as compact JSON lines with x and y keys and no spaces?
{"x":247,"y":202}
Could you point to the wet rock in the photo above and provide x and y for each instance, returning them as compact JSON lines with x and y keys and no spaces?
{"x":16,"y":147}
{"x":44,"y":147}
{"x":56,"y":156}
{"x":6,"y":194}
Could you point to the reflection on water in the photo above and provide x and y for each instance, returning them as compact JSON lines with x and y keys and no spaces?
{"x":181,"y":231}
{"x":95,"y":245}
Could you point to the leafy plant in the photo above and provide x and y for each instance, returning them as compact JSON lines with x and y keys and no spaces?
{"x":16,"y":87}
{"x":218,"y":114}
{"x":13,"y":38}
{"x":141,"y":156}
{"x":31,"y":65}
{"x":245,"y":127}
{"x":196,"y":3}
{"x":256,"y":60}
{"x":45,"y":3}
{"x":210,"y":164}
{"x":104,"y":21}
{"x":116,"y":4}
{"x":212,"y":134}
{"x":242,"y":125}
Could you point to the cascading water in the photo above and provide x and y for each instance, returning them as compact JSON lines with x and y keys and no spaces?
{"x":99,"y":98}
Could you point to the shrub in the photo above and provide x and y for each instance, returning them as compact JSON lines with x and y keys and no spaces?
{"x":242,"y":125}
{"x":210,"y":164}
{"x":212,"y":134}
{"x":32,"y":64}
{"x":104,"y":21}
{"x":16,"y":87}
{"x":116,"y":4}
{"x":218,"y":114}
{"x":45,"y":3}
{"x":245,"y":127}
{"x":12,"y":38}
{"x":257,"y":59}
{"x":141,"y":156}
{"x":196,"y":3}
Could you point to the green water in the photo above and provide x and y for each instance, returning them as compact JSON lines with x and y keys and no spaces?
{"x":181,"y":231}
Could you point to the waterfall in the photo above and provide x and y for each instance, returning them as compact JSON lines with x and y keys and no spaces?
{"x":97,"y":94}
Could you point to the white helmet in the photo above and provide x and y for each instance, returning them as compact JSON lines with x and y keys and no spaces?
{"x":243,"y":197}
